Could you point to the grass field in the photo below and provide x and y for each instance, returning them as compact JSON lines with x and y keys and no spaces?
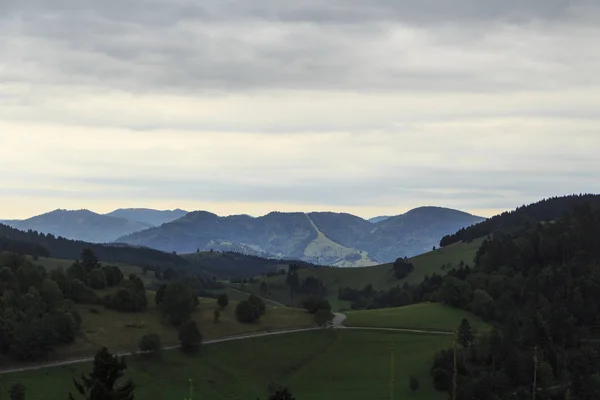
{"x":122,"y":331}
{"x":424,"y":316}
{"x":380,"y":276}
{"x":320,"y":365}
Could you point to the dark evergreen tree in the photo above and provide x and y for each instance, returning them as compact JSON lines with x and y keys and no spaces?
{"x":101,"y":383}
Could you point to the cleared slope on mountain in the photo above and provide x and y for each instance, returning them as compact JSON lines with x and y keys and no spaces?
{"x":80,"y":225}
{"x":148,"y":216}
{"x":325,"y":251}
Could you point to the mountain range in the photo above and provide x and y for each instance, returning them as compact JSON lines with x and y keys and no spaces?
{"x":325,"y":238}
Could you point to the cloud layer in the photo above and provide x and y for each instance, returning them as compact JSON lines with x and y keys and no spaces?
{"x":242,"y":107}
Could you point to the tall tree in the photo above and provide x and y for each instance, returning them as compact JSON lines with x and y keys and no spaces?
{"x":101,"y":383}
{"x":465,"y":333}
{"x":178,"y":303}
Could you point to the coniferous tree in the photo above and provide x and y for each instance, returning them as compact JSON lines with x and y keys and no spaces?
{"x":101,"y":383}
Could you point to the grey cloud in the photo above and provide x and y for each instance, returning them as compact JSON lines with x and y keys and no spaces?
{"x":190,"y":46}
{"x":162,"y":12}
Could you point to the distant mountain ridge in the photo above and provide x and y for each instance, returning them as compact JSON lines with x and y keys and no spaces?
{"x":379,"y":219}
{"x":82,"y":225}
{"x":148,"y":216}
{"x":323,"y":237}
{"x":92,"y":227}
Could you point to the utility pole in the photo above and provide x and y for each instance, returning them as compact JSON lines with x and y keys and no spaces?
{"x":392,"y":373}
{"x":455,"y":367}
{"x":535,"y":364}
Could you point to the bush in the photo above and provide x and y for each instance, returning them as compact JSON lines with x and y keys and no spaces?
{"x":223,"y":300}
{"x":80,"y":293}
{"x":189,"y":336}
{"x":97,"y":279}
{"x":150,"y":343}
{"x":130,"y":296}
{"x":179,"y":302}
{"x":257,"y":303}
{"x":314,"y":304}
{"x":17,"y":391}
{"x":246,"y":313}
{"x":113,"y":275}
{"x":323,"y":318}
{"x":217,"y":316}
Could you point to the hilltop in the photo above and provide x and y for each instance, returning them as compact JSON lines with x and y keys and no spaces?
{"x":148,"y":216}
{"x":82,"y":225}
{"x":337,"y":239}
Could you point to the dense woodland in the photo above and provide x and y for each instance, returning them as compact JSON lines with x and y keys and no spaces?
{"x":540,"y":286}
{"x":36,"y":314}
{"x":542,"y":211}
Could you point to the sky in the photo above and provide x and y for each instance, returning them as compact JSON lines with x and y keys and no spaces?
{"x":368,"y":107}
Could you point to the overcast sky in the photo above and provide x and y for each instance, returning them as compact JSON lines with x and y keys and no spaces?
{"x":369,"y":107}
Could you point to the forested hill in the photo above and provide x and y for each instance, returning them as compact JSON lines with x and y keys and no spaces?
{"x":540,"y":286}
{"x":543,"y":211}
{"x":40,"y":244}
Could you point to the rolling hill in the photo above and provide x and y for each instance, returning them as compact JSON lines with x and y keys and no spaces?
{"x":545,"y":210}
{"x":381,"y":277}
{"x":80,"y":225}
{"x":336,"y":239}
{"x":48,"y":245}
{"x":148,"y":216}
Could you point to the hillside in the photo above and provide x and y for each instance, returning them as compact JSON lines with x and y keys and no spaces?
{"x":381,"y":277}
{"x":543,"y":211}
{"x":148,"y":216}
{"x":80,"y":225}
{"x":48,"y":245}
{"x":321,"y":237}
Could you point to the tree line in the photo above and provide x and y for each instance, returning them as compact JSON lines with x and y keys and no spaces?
{"x":545,"y":210}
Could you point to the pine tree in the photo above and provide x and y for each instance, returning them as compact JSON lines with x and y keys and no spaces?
{"x":100,"y":383}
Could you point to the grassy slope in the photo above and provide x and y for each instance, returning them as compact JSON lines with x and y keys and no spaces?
{"x":122,"y":331}
{"x":323,"y":245}
{"x":379,"y":276}
{"x":424,"y":316}
{"x":322,"y":365}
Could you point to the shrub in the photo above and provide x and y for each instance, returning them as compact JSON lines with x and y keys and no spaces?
{"x":189,"y":336}
{"x":223,"y":300}
{"x":257,"y":303}
{"x":97,"y":279}
{"x":246,"y":313}
{"x":150,"y":343}
{"x":314,"y":304}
